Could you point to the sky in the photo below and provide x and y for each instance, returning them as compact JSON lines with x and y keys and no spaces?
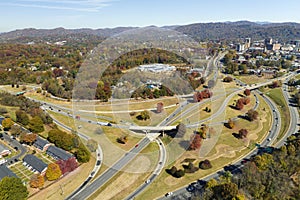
{"x":19,"y":14}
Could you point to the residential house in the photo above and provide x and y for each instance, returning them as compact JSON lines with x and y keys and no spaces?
{"x":4,"y":151}
{"x":41,"y":144}
{"x":5,"y":172}
{"x":58,"y":153}
{"x":35,"y":164}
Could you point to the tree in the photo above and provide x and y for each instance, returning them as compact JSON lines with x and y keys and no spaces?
{"x":243,"y":133}
{"x":239,"y":104}
{"x":227,"y":79}
{"x":67,"y":165}
{"x":203,"y":131}
{"x":195,"y":142}
{"x":226,"y":191}
{"x":15,"y":130}
{"x":247,"y":92}
{"x":246,"y":100}
{"x":12,"y":188}
{"x":230,"y":124}
{"x":53,"y":172}
{"x":22,"y":117}
{"x":36,"y":125}
{"x":252,"y":115}
{"x":82,"y":154}
{"x":144,"y":115}
{"x":7,"y":124}
{"x":28,"y":138}
{"x":122,"y":139}
{"x":92,"y":145}
{"x":205,"y":164}
{"x":179,"y":173}
{"x":37,"y":181}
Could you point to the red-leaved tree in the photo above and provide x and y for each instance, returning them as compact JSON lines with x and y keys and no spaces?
{"x":67,"y":165}
{"x":195,"y":142}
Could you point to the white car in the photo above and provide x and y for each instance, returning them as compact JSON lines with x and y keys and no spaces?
{"x":269,"y":139}
{"x":147,"y":181}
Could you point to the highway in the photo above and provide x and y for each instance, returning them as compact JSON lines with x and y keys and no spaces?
{"x":111,"y":172}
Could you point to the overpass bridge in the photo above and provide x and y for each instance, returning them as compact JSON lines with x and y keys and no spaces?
{"x":152,"y":128}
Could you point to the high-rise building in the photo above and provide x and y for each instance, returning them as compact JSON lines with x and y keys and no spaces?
{"x":248,"y":43}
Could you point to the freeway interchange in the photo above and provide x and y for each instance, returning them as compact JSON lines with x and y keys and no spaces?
{"x":88,"y":188}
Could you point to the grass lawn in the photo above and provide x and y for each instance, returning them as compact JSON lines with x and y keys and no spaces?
{"x":251,"y":79}
{"x":232,"y":112}
{"x":41,"y":97}
{"x":11,"y":111}
{"x":277,"y":96}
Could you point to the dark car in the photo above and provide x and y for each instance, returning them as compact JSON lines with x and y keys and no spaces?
{"x":190,"y":188}
{"x":98,"y":162}
{"x":109,"y":124}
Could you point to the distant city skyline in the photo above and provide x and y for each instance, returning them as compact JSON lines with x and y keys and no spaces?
{"x":19,"y":14}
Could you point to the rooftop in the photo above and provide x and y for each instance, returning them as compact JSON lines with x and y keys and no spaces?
{"x":40,"y":142}
{"x":58,"y":153}
{"x":35,"y":162}
{"x":4,"y":171}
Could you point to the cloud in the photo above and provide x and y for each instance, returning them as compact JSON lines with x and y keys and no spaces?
{"x":75,"y":5}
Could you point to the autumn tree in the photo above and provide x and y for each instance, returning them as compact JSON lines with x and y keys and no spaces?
{"x":53,"y":172}
{"x":22,"y":117}
{"x":227,"y":79}
{"x":230,"y":124}
{"x":247,"y":92}
{"x":205,"y":164}
{"x":246,"y":100}
{"x":243,"y":133}
{"x":252,"y":115}
{"x":7,"y":124}
{"x":226,"y":191}
{"x":67,"y":165}
{"x":28,"y":138}
{"x":37,"y":181}
{"x":36,"y":125}
{"x":239,"y":104}
{"x":16,"y":130}
{"x":144,"y":115}
{"x":12,"y":188}
{"x":203,"y":131}
{"x":123,"y":139}
{"x":195,"y":142}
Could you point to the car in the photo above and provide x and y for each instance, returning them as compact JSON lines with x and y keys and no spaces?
{"x":98,"y":162}
{"x":147,"y":181}
{"x":58,"y":110}
{"x":79,"y":127}
{"x":169,"y":194}
{"x":269,"y":139}
{"x":190,"y":188}
{"x":136,"y":145}
{"x":160,"y":163}
{"x":89,"y":121}
{"x":92,"y":173}
{"x":109,"y":124}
